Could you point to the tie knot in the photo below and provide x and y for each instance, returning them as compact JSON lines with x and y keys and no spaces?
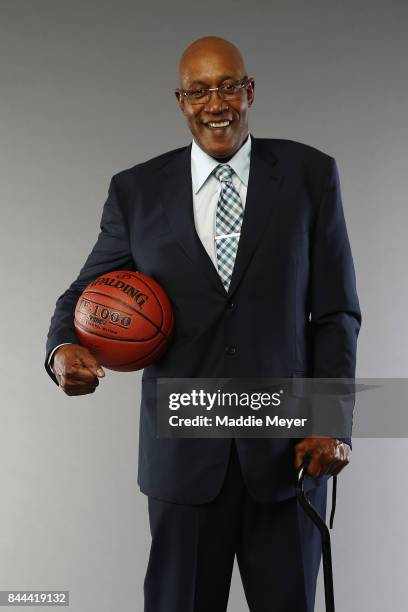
{"x":223,"y":172}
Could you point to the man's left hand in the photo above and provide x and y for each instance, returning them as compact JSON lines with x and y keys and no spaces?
{"x":327,"y":455}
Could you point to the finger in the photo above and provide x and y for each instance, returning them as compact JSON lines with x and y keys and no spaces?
{"x":81,"y":374}
{"x":327,"y":463}
{"x":339,"y":468}
{"x":89,"y":361}
{"x":74,"y":391}
{"x":314,"y":468}
{"x":332,"y":466}
{"x":68,"y":383}
{"x":77,"y":385}
{"x":340,"y":460}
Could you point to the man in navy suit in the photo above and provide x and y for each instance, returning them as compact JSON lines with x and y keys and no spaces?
{"x":276,"y":299}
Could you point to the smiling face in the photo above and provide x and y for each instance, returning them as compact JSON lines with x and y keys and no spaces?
{"x":210,"y":62}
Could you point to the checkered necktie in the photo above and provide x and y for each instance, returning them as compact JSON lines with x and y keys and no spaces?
{"x":228,"y":218}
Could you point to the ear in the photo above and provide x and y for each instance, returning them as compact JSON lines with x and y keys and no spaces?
{"x":251,"y":91}
{"x":180,"y":100}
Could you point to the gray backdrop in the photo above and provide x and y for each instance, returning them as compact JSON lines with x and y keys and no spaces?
{"x":87,"y":90}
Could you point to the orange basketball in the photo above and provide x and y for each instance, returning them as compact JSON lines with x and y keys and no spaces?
{"x":125,"y":319}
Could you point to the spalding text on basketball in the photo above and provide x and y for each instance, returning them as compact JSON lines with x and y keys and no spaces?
{"x":139,"y":297}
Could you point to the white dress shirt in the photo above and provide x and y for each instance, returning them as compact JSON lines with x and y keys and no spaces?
{"x":206,"y":191}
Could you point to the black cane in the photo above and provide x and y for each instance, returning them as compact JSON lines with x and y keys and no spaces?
{"x":324,"y":533}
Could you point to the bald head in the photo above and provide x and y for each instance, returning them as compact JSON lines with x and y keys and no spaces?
{"x":205,"y":54}
{"x":218,"y":121}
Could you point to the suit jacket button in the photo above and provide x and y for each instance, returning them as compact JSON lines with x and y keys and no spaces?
{"x":231,"y":350}
{"x":231,"y":305}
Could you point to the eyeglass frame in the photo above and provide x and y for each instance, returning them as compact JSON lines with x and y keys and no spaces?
{"x":242,"y":83}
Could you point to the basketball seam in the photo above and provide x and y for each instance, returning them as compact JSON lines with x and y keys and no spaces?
{"x":93,"y":333}
{"x":132,"y":363}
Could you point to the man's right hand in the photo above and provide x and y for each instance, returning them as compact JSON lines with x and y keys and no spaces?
{"x":76,"y":369}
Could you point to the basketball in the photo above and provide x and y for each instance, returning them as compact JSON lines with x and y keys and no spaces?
{"x":125,"y":319}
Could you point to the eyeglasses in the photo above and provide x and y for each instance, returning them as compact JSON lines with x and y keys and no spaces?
{"x":227,"y":91}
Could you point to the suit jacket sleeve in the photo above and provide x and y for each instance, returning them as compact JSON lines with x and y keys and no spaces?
{"x":110,"y":252}
{"x":335,"y":311}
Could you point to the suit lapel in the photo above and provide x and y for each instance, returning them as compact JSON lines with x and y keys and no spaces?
{"x":176,"y":195}
{"x":175,"y":192}
{"x":262,"y":200}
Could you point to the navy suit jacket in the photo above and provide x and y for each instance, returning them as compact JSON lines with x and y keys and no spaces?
{"x":291,"y":308}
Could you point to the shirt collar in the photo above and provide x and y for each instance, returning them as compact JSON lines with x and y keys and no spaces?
{"x":203,"y":164}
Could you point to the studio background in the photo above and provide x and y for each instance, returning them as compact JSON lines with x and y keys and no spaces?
{"x":86,"y":91}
